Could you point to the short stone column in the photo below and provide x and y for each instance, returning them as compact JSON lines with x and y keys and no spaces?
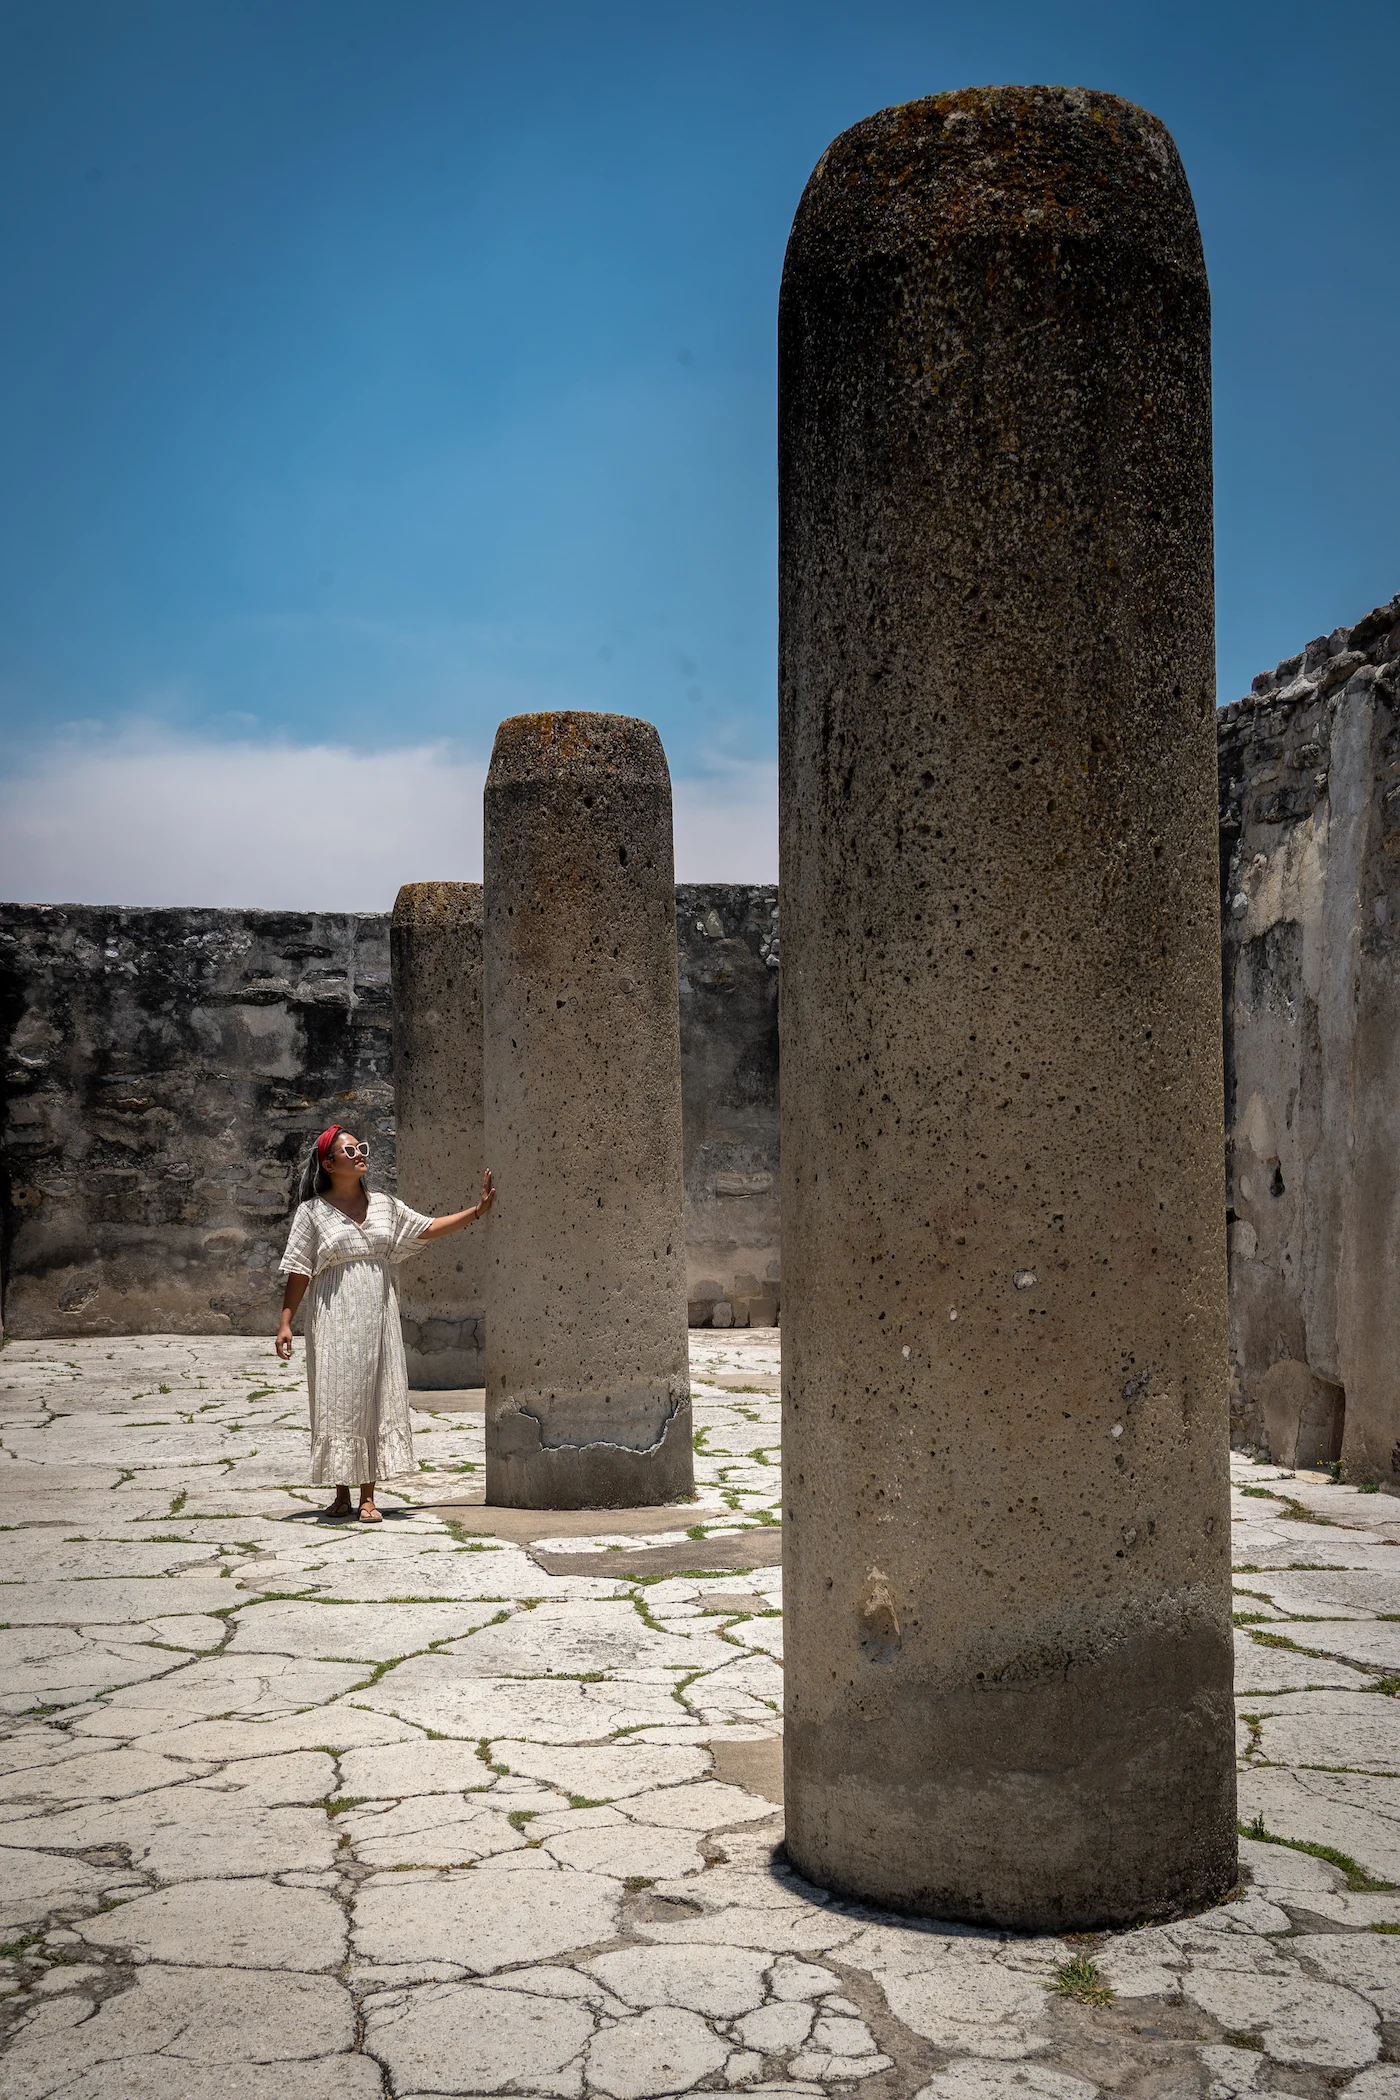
{"x":1006,"y":1523}
{"x":587,"y":1369}
{"x":435,"y":953}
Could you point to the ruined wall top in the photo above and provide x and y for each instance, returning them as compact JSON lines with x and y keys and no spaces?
{"x":1370,"y":650}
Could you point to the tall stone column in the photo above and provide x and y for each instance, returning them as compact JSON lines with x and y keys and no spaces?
{"x":587,"y":1368}
{"x":1006,"y":1520}
{"x":435,"y":957}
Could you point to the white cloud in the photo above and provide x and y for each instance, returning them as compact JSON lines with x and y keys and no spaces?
{"x":146,"y":818}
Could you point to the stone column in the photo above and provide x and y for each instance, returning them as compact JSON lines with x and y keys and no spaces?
{"x":1007,"y":1551}
{"x":587,"y":1370}
{"x":435,"y":949}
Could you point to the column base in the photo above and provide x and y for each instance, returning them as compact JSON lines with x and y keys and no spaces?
{"x":443,"y":1355}
{"x":522,"y":1472}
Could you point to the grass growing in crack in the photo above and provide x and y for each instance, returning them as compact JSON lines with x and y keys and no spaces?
{"x":519,"y":1817}
{"x":654,"y":1625}
{"x":1383,"y":1928}
{"x":582,"y":1801}
{"x":635,"y":1883}
{"x":1389,"y":1686}
{"x":1359,"y":1882}
{"x":681,"y":1687}
{"x":15,"y":1950}
{"x":1281,"y":1640}
{"x":1081,"y":1979}
{"x":1291,"y":1506}
{"x":344,"y":1801}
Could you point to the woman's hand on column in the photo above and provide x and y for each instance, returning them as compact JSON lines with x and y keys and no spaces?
{"x":488,"y":1194}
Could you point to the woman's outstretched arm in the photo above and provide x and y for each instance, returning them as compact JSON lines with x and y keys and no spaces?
{"x":456,"y":1219}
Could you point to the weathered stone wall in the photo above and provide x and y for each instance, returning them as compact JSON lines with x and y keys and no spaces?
{"x":1310,"y":885}
{"x":163,"y":1072}
{"x":728,"y":937}
{"x":435,"y":952}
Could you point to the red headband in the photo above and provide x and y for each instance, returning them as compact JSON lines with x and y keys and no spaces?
{"x":326,"y":1140}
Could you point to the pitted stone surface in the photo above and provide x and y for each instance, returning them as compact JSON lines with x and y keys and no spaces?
{"x":1007,"y":1636}
{"x":209,"y":1871}
{"x":587,"y":1392}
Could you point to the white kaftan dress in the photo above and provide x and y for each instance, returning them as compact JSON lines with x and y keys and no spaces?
{"x":355,"y":1366}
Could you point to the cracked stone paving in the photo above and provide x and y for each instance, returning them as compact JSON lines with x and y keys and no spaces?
{"x":296,"y":1810}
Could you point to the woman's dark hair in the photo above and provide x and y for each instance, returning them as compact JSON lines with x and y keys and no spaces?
{"x":314,"y":1178}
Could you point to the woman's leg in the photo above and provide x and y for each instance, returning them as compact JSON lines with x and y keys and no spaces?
{"x":368,"y":1513}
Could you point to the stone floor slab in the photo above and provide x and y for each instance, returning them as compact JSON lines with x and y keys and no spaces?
{"x":970,"y":2000}
{"x":661,"y":2051}
{"x":430,"y":1830}
{"x":1297,"y":2019}
{"x":248,"y":1924}
{"x":1358,"y":1816}
{"x":33,"y":1883}
{"x":194,"y":2017}
{"x":1354,"y":1730}
{"x":721,"y":1981}
{"x":362,"y":1632}
{"x":459,"y":2038}
{"x":484,"y":1920}
{"x":609,"y":1773}
{"x":1265,"y":1667}
{"x":349,"y":2076}
{"x":972,"y":2078}
{"x":627,"y":1851}
{"x":436,"y":1692}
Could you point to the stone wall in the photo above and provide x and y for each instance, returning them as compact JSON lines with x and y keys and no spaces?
{"x":164,"y":1071}
{"x":728,"y":936}
{"x":1310,"y":883}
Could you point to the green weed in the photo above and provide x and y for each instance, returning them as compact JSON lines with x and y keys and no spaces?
{"x":1358,"y":1880}
{"x":1081,"y":1979}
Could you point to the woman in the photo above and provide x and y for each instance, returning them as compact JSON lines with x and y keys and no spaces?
{"x":343,"y":1243}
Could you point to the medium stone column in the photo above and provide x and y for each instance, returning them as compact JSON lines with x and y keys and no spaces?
{"x":1007,"y":1552}
{"x":435,"y":951}
{"x":587,"y":1369}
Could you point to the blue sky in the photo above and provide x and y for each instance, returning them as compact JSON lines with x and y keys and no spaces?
{"x":371,"y":371}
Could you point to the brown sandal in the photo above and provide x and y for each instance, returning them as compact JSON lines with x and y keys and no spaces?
{"x":341,"y":1507}
{"x":369,"y":1514}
